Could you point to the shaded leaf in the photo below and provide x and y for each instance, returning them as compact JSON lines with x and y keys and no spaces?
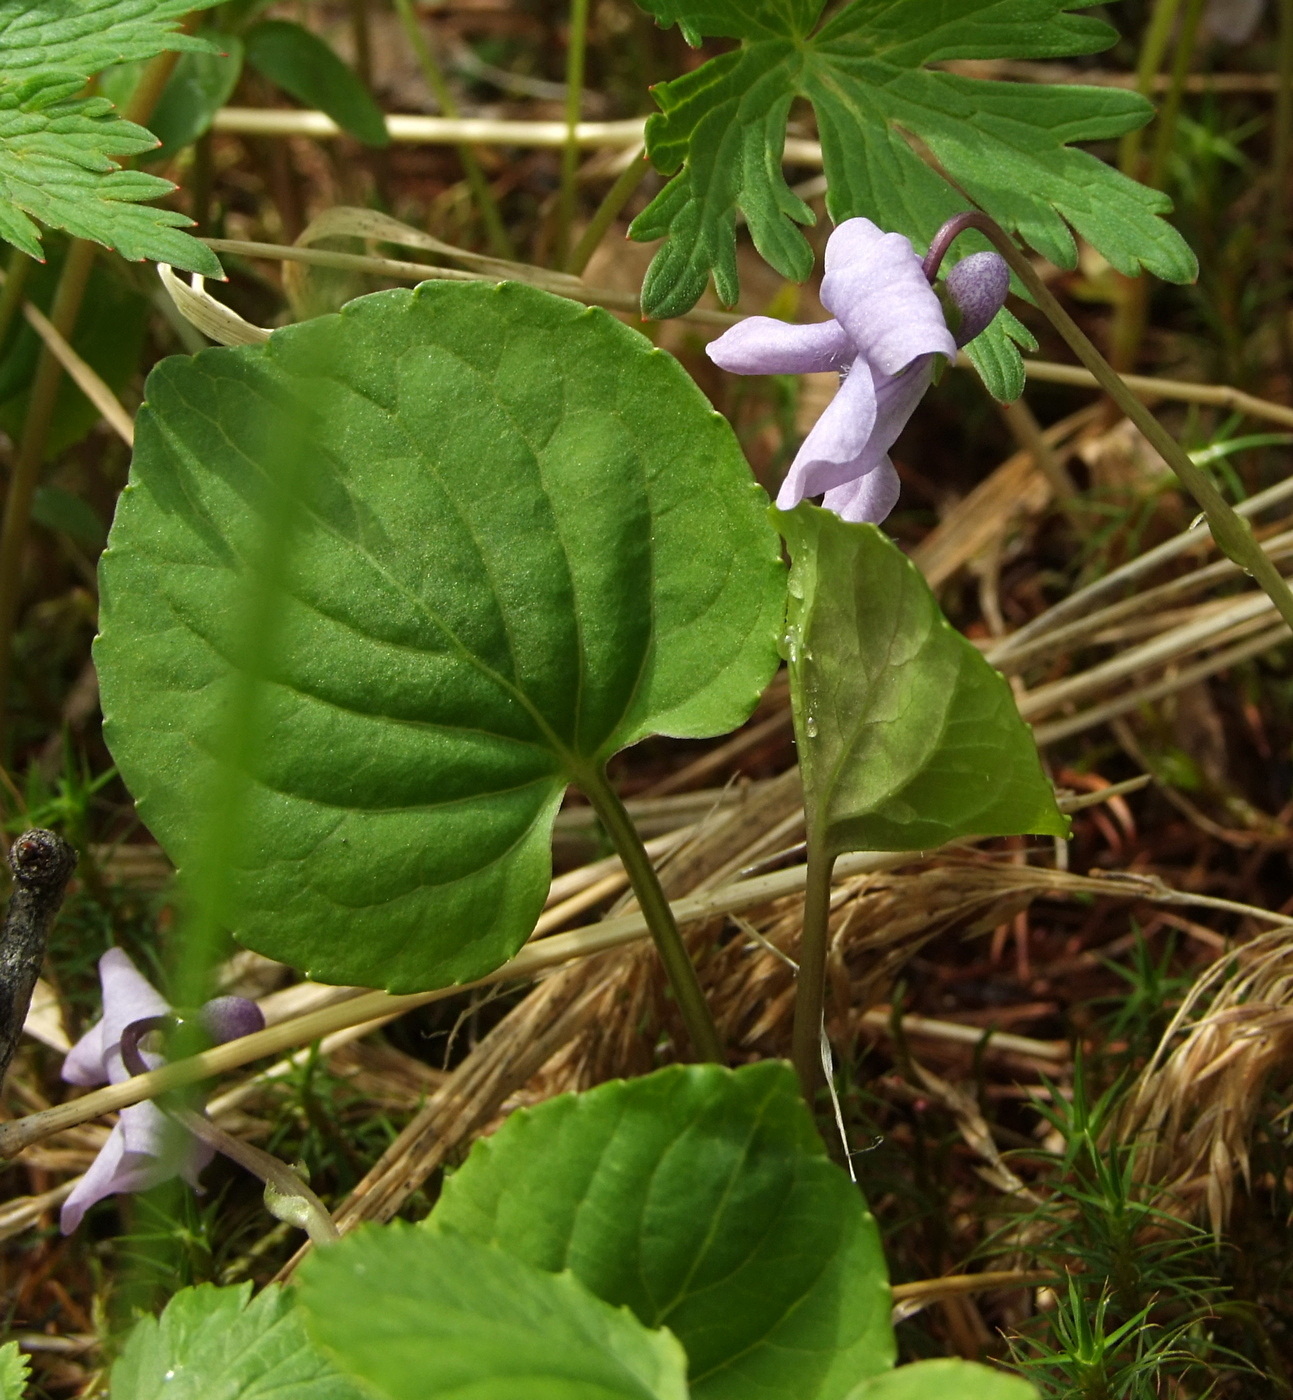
{"x":200,"y":85}
{"x":702,"y":1198}
{"x":303,"y":65}
{"x":109,"y":337}
{"x":907,"y":738}
{"x":56,"y":509}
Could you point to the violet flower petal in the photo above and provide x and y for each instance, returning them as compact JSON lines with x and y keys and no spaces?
{"x":831,"y":451}
{"x":127,"y":996}
{"x":97,"y":1183}
{"x":869,"y":499}
{"x":120,"y":1167}
{"x":978,"y":285}
{"x":83,"y":1063}
{"x":762,"y":345}
{"x":876,"y":287}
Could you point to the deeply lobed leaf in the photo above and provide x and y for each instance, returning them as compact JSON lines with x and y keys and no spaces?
{"x":866,"y":71}
{"x":59,"y":150}
{"x":79,"y":37}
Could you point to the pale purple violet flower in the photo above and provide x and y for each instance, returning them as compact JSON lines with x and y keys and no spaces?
{"x":145,"y":1147}
{"x":888,"y":331}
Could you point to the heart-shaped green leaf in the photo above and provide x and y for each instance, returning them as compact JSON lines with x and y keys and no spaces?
{"x":521,"y":539}
{"x":701,"y":1198}
{"x":907,"y":737}
{"x":418,"y":1314}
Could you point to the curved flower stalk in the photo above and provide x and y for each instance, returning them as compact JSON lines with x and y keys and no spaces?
{"x":146,"y":1146}
{"x":888,"y":331}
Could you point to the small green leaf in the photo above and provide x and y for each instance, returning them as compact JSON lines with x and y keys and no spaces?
{"x":995,"y":354}
{"x":220,"y":1342}
{"x":944,"y":1379}
{"x":418,"y":1314}
{"x":703,"y":1199}
{"x":867,"y":72}
{"x":907,"y":737}
{"x":14,"y":1367}
{"x":527,"y":541}
{"x":200,"y":85}
{"x":59,"y":151}
{"x":303,"y":65}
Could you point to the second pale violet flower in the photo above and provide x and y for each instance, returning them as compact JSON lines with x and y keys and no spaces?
{"x":145,"y":1147}
{"x":887,"y":331}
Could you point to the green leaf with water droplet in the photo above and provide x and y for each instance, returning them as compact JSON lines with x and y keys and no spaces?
{"x":907,"y":737}
{"x":222,"y":1342}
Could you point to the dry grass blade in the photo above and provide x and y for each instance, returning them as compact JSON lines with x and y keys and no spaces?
{"x":86,"y":379}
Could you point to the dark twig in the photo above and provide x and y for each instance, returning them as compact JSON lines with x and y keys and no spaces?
{"x":42,"y":864}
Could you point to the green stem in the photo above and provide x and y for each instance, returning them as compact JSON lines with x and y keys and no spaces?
{"x":43,"y":400}
{"x":25,"y":477}
{"x":20,"y":266}
{"x":705,"y":1042}
{"x":1169,"y":113}
{"x":1131,"y":308}
{"x":287,"y":1195}
{"x":1233,"y":535}
{"x":810,"y":983}
{"x":616,"y":198}
{"x":500,"y":244}
{"x":574,"y":107}
{"x":362,"y":41}
{"x":1153,"y":49}
{"x":1131,"y":312}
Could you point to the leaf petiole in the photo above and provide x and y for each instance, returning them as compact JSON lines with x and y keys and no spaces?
{"x":705,"y":1041}
{"x":810,"y":982}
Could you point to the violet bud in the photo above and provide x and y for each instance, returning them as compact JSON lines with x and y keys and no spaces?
{"x":977,"y":286}
{"x":229,"y":1018}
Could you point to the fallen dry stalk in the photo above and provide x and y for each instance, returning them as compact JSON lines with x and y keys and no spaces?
{"x":358,"y":1007}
